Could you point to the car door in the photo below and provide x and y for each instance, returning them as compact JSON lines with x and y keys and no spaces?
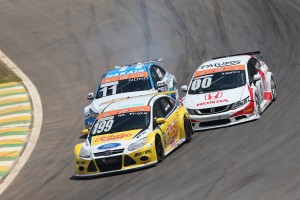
{"x":171,"y":114}
{"x":253,"y":66}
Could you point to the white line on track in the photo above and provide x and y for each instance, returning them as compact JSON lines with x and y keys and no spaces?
{"x":15,"y":115}
{"x":14,"y":106}
{"x":9,"y":149}
{"x":12,"y":89}
{"x":12,"y":137}
{"x":6,"y":163}
{"x":16,"y":96}
{"x":16,"y":125}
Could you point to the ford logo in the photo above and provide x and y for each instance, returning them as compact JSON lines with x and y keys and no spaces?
{"x":109,"y":146}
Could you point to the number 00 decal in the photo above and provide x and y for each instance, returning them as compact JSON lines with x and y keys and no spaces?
{"x":201,"y":83}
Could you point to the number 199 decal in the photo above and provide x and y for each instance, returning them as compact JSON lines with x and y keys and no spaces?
{"x":103,"y":126}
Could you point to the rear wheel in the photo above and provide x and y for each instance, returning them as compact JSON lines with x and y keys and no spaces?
{"x":159,"y":149}
{"x":273,"y":89}
{"x":188,"y":129}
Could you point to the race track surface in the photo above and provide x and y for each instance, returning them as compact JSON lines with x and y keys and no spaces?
{"x":64,"y":46}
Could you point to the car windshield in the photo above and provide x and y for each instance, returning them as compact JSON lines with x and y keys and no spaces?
{"x":121,"y":122}
{"x":123,"y":86}
{"x":217,"y":81}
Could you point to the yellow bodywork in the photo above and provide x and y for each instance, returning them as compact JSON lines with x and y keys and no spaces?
{"x":171,"y":133}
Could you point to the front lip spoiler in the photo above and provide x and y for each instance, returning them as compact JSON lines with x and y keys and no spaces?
{"x":116,"y":171}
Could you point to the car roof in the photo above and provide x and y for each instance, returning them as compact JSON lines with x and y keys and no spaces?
{"x":226,"y":61}
{"x":139,"y":101}
{"x":129,"y":69}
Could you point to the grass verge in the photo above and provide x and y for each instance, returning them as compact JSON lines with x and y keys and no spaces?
{"x":6,"y":75}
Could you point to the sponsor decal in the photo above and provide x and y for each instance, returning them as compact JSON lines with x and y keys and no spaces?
{"x":109,"y":146}
{"x":142,"y":153}
{"x":201,"y":72}
{"x":118,"y":77}
{"x":221,"y":64}
{"x":172,"y":131}
{"x":112,"y":137}
{"x":212,"y":102}
{"x":211,"y":96}
{"x":124,"y":110}
{"x":164,"y":138}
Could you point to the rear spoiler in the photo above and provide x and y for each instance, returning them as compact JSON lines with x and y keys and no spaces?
{"x":143,"y":62}
{"x":252,"y":53}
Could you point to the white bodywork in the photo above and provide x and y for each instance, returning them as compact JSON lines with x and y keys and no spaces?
{"x":219,"y":108}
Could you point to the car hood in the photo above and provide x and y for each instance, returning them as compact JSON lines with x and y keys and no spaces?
{"x":99,"y":104}
{"x":119,"y":140}
{"x":215,"y":99}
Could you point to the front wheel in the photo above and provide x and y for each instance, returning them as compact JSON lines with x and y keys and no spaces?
{"x":273,"y":89}
{"x":188,"y":129}
{"x":159,"y":149}
{"x":257,"y":106}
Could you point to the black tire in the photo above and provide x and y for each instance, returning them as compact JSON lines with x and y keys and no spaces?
{"x":188,"y":129}
{"x":273,"y":89}
{"x":159,"y":149}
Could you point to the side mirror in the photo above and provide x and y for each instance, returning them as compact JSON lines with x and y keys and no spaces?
{"x":90,"y":95}
{"x":184,"y":88}
{"x":160,"y":84}
{"x":256,"y":77}
{"x":160,"y":120}
{"x":85,"y":131}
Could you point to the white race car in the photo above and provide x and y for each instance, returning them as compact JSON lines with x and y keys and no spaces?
{"x":129,"y":81}
{"x":229,"y":90}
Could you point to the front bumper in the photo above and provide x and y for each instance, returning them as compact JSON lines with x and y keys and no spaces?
{"x":223,"y":119}
{"x":98,"y":165}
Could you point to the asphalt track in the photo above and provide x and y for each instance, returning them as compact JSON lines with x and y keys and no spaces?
{"x":64,"y":46}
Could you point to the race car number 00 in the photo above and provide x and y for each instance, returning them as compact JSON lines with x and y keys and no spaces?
{"x":105,"y":126}
{"x":201,"y":83}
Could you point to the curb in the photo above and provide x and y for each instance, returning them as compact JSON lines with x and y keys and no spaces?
{"x":15,"y":121}
{"x":35,"y":127}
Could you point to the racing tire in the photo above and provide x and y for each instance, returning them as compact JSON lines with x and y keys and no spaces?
{"x":159,"y":149}
{"x":257,"y":105}
{"x":188,"y":129}
{"x":273,"y":89}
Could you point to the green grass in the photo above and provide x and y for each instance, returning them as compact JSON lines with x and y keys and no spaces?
{"x":6,"y":75}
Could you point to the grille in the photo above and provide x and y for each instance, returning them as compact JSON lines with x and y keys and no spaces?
{"x":108,"y":152}
{"x":215,"y":123}
{"x":213,"y":110}
{"x":109,"y":164}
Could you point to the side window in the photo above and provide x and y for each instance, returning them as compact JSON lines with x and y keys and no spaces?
{"x":157,"y":111}
{"x":252,"y":70}
{"x":166,"y":106}
{"x":155,"y":76}
{"x":161,"y":72}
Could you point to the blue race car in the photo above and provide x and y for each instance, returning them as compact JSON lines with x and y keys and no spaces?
{"x":129,"y":81}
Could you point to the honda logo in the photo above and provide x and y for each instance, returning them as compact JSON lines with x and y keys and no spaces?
{"x":210,"y":96}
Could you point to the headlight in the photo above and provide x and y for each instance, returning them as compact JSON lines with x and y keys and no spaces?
{"x":191,"y":112}
{"x":137,"y":145}
{"x":239,"y":103}
{"x":84,"y":153}
{"x":93,"y":114}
